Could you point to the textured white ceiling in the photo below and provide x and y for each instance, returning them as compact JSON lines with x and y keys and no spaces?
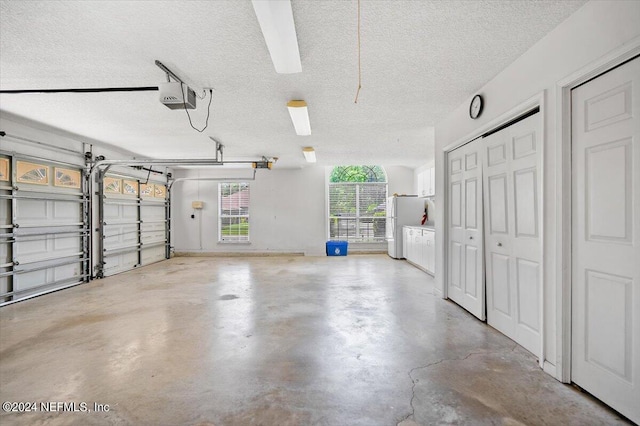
{"x":420,"y":60}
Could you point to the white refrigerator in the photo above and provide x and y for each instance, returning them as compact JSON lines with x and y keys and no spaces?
{"x":401,"y":211}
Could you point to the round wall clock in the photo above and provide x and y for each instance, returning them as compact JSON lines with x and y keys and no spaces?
{"x":475,"y":108}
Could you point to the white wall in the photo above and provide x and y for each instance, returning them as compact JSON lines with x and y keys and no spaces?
{"x":400,"y":180}
{"x":590,"y":33}
{"x":288,"y":212}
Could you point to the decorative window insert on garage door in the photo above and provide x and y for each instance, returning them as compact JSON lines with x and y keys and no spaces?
{"x":134,"y":223}
{"x":44,"y":231}
{"x":357,"y":204}
{"x":233,"y":212}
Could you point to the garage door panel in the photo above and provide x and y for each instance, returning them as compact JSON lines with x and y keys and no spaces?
{"x":29,"y":251}
{"x":53,"y":212}
{"x":152,"y":239}
{"x":111,"y":211}
{"x":129,"y":212}
{"x":120,"y":262}
{"x":66,"y":271}
{"x":115,"y":230}
{"x":30,"y":279}
{"x":153,"y":254}
{"x":5,"y":217}
{"x":65,"y":211}
{"x":117,"y":236}
{"x":153,"y":232}
{"x":152,"y":212}
{"x":47,"y":274}
{"x":32,"y":210}
{"x":4,"y":254}
{"x":120,"y":212}
{"x":65,"y":243}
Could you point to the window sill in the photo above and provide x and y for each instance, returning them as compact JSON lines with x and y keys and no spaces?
{"x":242,"y":243}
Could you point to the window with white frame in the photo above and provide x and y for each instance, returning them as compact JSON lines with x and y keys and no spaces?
{"x":357,"y":204}
{"x":233,"y":212}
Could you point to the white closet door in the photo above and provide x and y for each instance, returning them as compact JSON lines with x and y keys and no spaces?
{"x":512,"y":241}
{"x":606,"y":238}
{"x":465,"y":278}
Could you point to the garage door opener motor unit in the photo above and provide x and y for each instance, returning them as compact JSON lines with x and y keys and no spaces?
{"x":176,"y":95}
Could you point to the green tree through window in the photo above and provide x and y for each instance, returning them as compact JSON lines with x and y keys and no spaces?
{"x":358,"y":174}
{"x":357,"y":203}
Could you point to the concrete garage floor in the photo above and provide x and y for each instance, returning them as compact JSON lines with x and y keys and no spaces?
{"x":356,"y":340}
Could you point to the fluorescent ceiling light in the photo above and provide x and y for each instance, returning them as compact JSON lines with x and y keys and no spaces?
{"x":309,"y":154}
{"x":279,"y":31}
{"x":300,"y":117}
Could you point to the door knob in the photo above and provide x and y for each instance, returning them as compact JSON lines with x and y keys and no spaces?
{"x":499,"y":244}
{"x":471,"y":238}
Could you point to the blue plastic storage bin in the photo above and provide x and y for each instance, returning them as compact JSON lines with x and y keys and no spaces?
{"x":337,"y":248}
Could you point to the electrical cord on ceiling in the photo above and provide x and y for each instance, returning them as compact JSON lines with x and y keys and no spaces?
{"x":187,"y":111}
{"x":359,"y":68}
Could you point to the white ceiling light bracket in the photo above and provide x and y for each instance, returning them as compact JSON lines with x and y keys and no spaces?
{"x":309,"y":154}
{"x":300,"y":117}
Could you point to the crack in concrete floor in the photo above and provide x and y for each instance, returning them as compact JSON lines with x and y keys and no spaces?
{"x":408,"y":419}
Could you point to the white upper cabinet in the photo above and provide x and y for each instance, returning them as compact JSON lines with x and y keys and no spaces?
{"x":425,"y":182}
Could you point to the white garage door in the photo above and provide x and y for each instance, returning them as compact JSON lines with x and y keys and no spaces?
{"x":45,"y":232}
{"x":134,"y":223}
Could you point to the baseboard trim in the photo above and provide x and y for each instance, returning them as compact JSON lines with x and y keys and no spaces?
{"x":550,"y":369}
{"x":235,"y":254}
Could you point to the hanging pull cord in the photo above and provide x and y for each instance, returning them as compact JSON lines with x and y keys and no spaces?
{"x":359,"y":67}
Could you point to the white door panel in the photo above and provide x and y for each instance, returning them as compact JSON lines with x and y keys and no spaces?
{"x":500,"y":291}
{"x":497,"y":194}
{"x":606,"y":238}
{"x":465,"y":279}
{"x":512,"y":241}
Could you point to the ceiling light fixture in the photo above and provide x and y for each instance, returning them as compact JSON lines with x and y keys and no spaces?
{"x":300,"y":117}
{"x":309,"y":154}
{"x":279,"y":31}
